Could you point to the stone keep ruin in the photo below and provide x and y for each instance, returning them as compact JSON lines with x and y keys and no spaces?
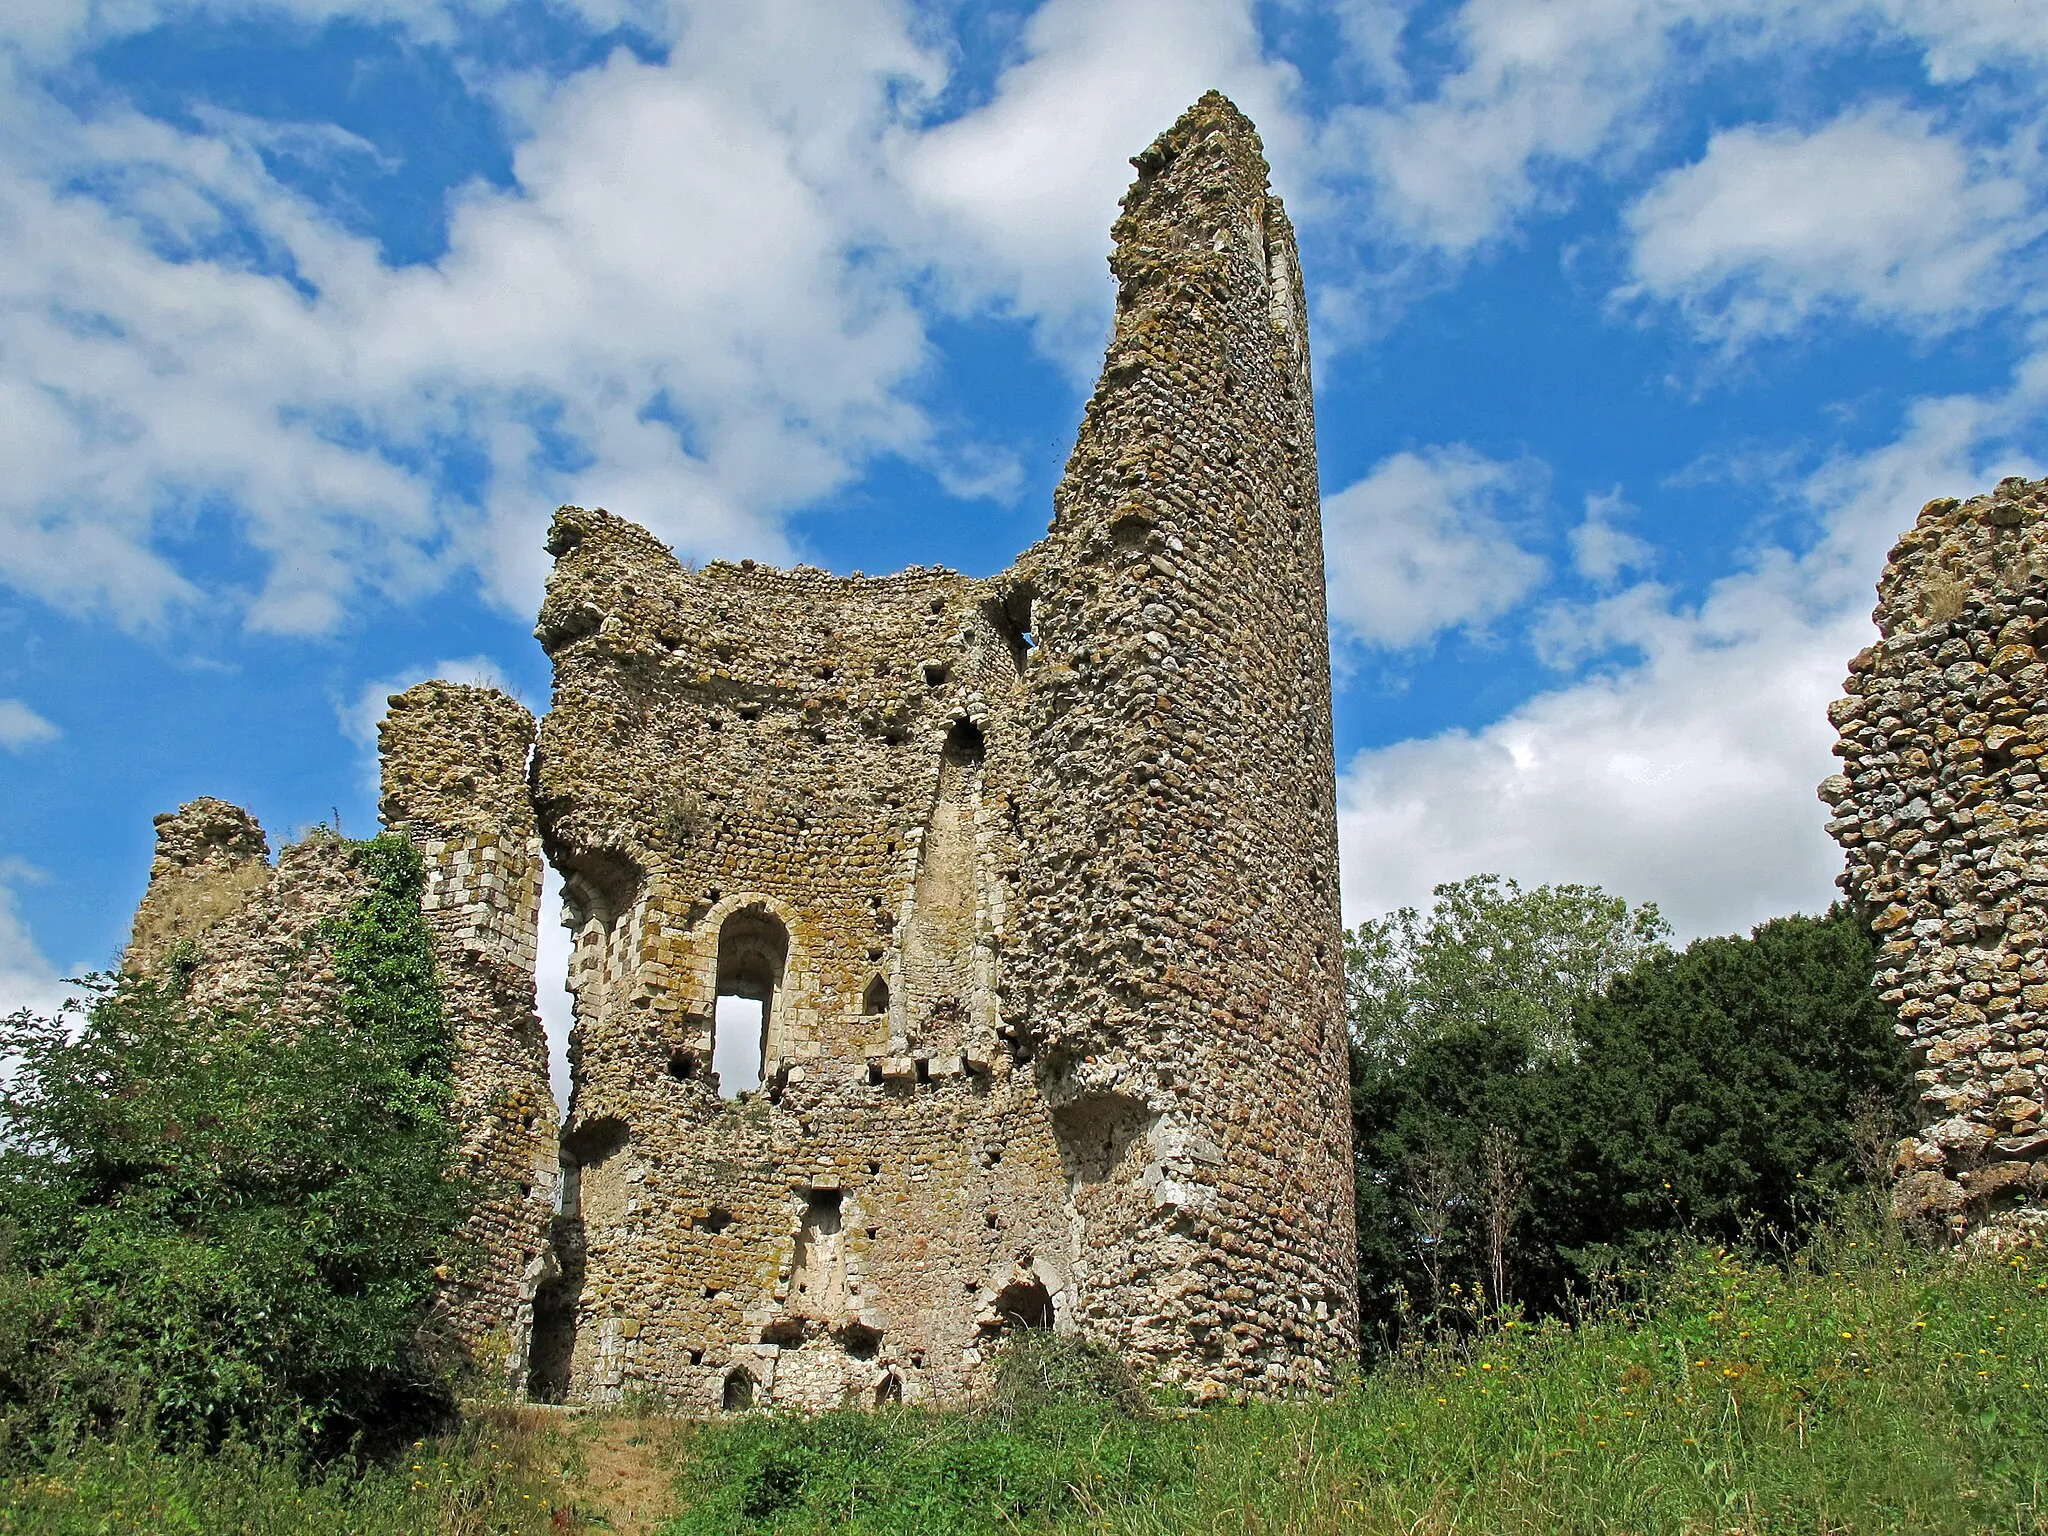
{"x":1942,"y":809}
{"x":950,"y":956}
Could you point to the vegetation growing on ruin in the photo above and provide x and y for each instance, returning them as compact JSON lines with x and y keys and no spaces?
{"x":1521,"y":1152}
{"x":218,"y":1225}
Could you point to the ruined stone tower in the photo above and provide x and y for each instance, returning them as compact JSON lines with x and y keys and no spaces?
{"x":1942,"y":812}
{"x":949,"y":956}
{"x":1036,"y":876}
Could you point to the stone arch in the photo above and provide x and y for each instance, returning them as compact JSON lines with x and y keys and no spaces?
{"x":750,"y":964}
{"x":736,"y":1394}
{"x":1026,"y":1302}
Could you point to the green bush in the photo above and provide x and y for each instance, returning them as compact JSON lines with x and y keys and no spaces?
{"x":1712,"y":1093}
{"x":922,"y":1473}
{"x":1038,"y":1369}
{"x":218,"y":1224}
{"x":483,"y":1481}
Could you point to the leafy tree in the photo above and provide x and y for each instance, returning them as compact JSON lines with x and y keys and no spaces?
{"x":1707,"y":1092}
{"x":1491,"y":955}
{"x":215,"y":1223}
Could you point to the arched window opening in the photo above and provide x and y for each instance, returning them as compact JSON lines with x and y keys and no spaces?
{"x":753,"y":947}
{"x":889,"y":1391}
{"x":875,"y":1001}
{"x":965,"y":746}
{"x":738,"y":1395}
{"x":1024,"y":1304}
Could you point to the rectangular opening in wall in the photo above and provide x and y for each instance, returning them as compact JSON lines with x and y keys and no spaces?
{"x":736,"y":1044}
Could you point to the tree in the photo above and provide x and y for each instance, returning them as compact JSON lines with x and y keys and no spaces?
{"x":1707,"y":1092}
{"x":212,"y":1223}
{"x":1491,"y":955}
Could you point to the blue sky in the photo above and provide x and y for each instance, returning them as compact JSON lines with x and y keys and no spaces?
{"x":1641,"y":328}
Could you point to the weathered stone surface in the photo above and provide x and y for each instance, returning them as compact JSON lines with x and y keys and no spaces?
{"x":259,"y":940}
{"x":1940,"y":809}
{"x":454,"y":772}
{"x":254,"y":939}
{"x":1037,"y":874}
{"x":211,"y":859}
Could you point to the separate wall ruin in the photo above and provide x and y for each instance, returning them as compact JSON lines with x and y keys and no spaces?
{"x":256,"y":939}
{"x":950,"y":956}
{"x":1942,"y":809}
{"x":454,"y":782}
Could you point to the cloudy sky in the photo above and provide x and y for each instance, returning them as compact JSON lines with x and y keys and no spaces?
{"x":1641,"y":327}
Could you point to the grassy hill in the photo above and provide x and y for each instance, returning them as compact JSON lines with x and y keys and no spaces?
{"x":1866,"y":1386}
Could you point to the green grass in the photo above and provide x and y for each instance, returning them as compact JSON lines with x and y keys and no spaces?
{"x":1860,"y":1390}
{"x":485,"y":1481}
{"x":1864,"y":1388}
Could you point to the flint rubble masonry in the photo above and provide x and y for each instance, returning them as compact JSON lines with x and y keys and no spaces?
{"x":1033,"y":878}
{"x":1941,"y":809}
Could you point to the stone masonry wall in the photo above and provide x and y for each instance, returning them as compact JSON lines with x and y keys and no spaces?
{"x":1942,"y":811}
{"x":454,"y":772}
{"x":1179,"y":950}
{"x":800,"y":785}
{"x":253,"y":937}
{"x":257,"y":939}
{"x":1036,"y":876}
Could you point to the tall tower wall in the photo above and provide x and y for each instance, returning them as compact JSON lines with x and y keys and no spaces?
{"x":1178,"y":961}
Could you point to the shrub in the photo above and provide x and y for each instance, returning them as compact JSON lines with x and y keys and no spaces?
{"x":218,"y":1224}
{"x":1709,"y":1093}
{"x":1036,"y":1369}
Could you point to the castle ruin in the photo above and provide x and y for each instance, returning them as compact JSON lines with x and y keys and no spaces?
{"x":1942,"y":811}
{"x":950,"y":955}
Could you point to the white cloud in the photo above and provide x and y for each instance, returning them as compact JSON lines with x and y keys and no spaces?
{"x":684,"y":308}
{"x":27,"y":979}
{"x":21,"y":727}
{"x":551,"y":983}
{"x":1538,"y":90}
{"x":1686,"y":777}
{"x":1020,"y":193}
{"x":1424,"y":544}
{"x":1875,"y":212}
{"x":1964,"y":37}
{"x":1537,"y":85}
{"x":1602,"y":550}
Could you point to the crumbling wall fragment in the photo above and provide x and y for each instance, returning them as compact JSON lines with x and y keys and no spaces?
{"x":1941,"y":809}
{"x":455,"y":784}
{"x":211,"y":859}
